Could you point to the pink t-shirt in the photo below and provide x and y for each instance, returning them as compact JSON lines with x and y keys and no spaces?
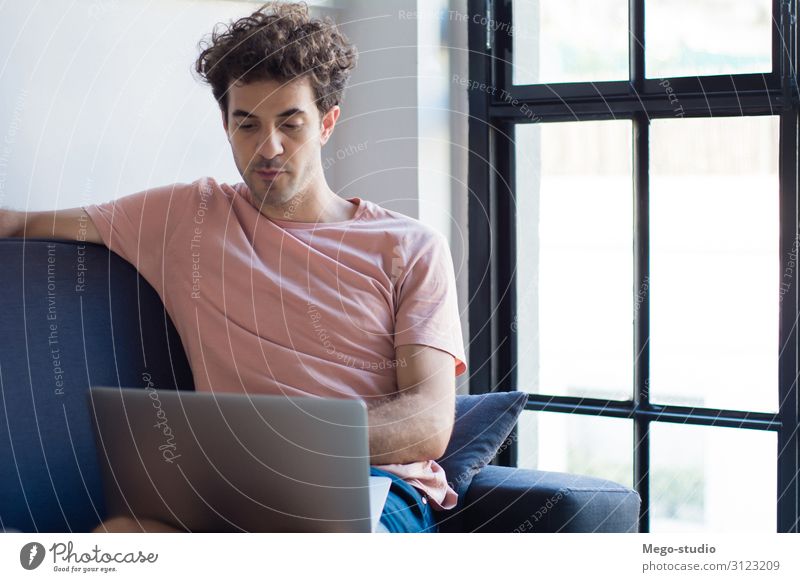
{"x":268,"y":306}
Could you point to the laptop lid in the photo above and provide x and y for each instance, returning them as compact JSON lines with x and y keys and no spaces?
{"x":234,"y":462}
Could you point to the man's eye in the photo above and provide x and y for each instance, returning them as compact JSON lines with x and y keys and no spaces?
{"x":246,"y":126}
{"x":291,"y":126}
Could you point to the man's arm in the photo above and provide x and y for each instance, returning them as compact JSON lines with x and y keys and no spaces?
{"x":68,"y":224}
{"x":415,"y":423}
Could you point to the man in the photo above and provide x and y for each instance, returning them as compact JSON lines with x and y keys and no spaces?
{"x":277,"y":285}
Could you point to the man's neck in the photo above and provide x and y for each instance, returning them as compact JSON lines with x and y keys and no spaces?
{"x":321,"y":206}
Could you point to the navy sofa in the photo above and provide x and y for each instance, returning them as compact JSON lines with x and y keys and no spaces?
{"x":74,"y":315}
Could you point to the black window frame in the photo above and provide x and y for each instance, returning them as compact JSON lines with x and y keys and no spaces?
{"x":492,"y":220}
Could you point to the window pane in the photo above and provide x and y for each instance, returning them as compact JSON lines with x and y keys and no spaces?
{"x":707,"y":37}
{"x":714,"y":262}
{"x":576,"y":443}
{"x":575,"y":259}
{"x":560,"y":41}
{"x":699,"y":476}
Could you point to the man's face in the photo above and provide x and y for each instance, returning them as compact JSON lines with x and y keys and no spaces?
{"x":275,"y":126}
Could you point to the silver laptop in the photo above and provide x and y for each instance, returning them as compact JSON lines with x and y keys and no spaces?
{"x":210,"y":462}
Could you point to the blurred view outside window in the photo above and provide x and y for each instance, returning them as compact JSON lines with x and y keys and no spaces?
{"x":714,"y":260}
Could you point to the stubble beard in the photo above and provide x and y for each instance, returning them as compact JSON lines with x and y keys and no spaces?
{"x":270,"y":195}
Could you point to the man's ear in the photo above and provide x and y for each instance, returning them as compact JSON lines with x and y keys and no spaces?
{"x":328,"y":123}
{"x":224,"y":120}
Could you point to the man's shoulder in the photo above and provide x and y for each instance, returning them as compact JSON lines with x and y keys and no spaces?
{"x":207,"y":187}
{"x":178,"y":202}
{"x":408,"y":231}
{"x":204,"y":188}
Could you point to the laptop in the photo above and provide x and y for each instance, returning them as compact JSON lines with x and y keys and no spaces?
{"x":222,"y":462}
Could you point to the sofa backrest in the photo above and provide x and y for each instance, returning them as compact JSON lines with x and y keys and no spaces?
{"x":72,"y":315}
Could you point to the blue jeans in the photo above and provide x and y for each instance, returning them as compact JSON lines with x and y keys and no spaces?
{"x":407,"y":509}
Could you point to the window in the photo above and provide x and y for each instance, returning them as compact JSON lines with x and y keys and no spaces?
{"x":634,"y":247}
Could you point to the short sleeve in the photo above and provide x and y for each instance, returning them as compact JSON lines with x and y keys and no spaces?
{"x":427,"y":304}
{"x":138,"y":227}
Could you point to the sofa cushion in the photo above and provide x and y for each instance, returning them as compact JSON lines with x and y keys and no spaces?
{"x":483,"y":422}
{"x":73,"y":315}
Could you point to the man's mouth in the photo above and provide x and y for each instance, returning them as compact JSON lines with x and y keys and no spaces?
{"x":269,"y":174}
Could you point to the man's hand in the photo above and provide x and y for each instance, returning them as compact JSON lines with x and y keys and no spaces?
{"x":11,"y":223}
{"x":415,"y":423}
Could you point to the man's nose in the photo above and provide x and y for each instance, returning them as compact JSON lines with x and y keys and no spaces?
{"x":271,"y":145}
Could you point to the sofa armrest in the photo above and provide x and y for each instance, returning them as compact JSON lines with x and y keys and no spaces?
{"x":508,"y":499}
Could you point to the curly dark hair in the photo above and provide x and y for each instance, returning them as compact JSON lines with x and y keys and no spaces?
{"x":279,"y":41}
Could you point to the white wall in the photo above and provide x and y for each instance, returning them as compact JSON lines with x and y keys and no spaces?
{"x":380,"y":106}
{"x":99,"y":100}
{"x":456,"y":39}
{"x":412,"y":120}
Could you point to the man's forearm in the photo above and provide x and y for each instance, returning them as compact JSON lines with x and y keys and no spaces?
{"x":407,"y":427}
{"x":66,"y":224}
